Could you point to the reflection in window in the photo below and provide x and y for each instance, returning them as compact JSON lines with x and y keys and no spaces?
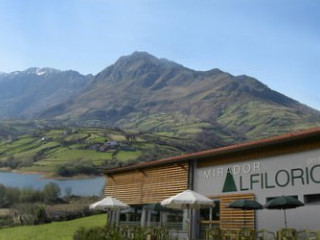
{"x":312,"y":199}
{"x":175,"y":216}
{"x":211,"y":214}
{"x":268,"y":199}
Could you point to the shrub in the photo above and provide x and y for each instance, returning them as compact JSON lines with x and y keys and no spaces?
{"x":98,"y":233}
{"x":6,"y":221}
{"x":112,"y":232}
{"x":30,"y":214}
{"x":51,"y":192}
{"x":77,"y":167}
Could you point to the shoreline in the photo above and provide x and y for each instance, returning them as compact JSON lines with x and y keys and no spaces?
{"x":47,"y":175}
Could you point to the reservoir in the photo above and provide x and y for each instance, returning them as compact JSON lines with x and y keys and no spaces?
{"x":83,"y":187}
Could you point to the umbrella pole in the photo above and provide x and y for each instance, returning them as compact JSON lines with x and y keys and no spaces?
{"x":111,"y":217}
{"x":285,"y":218}
{"x":108,"y":217}
{"x":189,"y":223}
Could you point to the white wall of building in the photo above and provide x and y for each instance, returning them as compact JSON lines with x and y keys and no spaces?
{"x":296,"y":174}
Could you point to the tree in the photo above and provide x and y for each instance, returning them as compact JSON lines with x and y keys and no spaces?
{"x":51,"y":192}
{"x":31,"y":213}
{"x":68,"y":192}
{"x":3,"y":196}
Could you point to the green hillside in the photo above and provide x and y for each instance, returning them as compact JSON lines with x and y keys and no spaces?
{"x":44,"y":148}
{"x":140,"y":108}
{"x":53,"y":149}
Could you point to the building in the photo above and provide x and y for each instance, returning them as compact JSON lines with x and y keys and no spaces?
{"x":260,"y":170}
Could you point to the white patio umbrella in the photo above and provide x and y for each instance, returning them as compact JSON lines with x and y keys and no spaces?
{"x":188,"y":200}
{"x":110,"y":204}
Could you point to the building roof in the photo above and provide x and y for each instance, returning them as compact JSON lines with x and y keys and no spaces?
{"x":273,"y":141}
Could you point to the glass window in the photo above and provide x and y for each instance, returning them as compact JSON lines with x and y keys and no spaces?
{"x":312,"y":199}
{"x":175,"y":216}
{"x":215,"y":212}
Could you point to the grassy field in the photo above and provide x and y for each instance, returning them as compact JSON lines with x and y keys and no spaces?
{"x":52,"y":231}
{"x":267,"y":120}
{"x":45,"y":150}
{"x":40,"y":146}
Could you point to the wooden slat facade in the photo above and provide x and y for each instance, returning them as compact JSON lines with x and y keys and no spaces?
{"x":231,"y":218}
{"x":149,"y":185}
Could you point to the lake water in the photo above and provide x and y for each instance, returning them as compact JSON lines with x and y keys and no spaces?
{"x":83,"y":187}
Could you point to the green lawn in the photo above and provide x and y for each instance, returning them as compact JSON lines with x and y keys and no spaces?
{"x":52,"y":231}
{"x":124,"y":156}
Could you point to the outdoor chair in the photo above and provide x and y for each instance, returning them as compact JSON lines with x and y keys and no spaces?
{"x":213,"y":234}
{"x":287,"y":234}
{"x":308,"y":234}
{"x":150,"y":233}
{"x":246,"y":234}
{"x":228,"y":234}
{"x":125,"y":231}
{"x":130,"y":232}
{"x":264,"y":234}
{"x":144,"y":233}
{"x":160,"y":233}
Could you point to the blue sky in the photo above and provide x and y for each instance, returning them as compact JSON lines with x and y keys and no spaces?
{"x":275,"y":41}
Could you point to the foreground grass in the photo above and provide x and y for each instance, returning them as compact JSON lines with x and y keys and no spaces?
{"x":52,"y":231}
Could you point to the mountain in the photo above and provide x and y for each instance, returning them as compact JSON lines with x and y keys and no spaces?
{"x":188,"y":109}
{"x":143,"y":92}
{"x":24,"y":93}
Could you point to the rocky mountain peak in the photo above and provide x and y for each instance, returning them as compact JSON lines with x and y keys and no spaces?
{"x":136,"y":65}
{"x":40,"y":71}
{"x":141,"y":59}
